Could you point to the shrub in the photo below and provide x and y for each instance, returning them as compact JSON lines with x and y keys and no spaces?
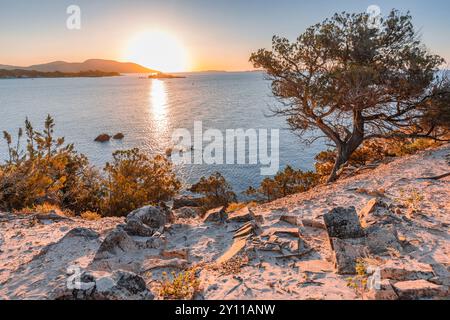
{"x":286,"y":182}
{"x":133,"y":180}
{"x":45,"y":172}
{"x":216,"y":191}
{"x":182,"y":286}
{"x":90,"y":216}
{"x":50,"y":172}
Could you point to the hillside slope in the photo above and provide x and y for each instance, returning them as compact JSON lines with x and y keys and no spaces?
{"x":280,"y":250}
{"x":88,"y":65}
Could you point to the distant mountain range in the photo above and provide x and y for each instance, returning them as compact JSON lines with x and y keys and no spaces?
{"x":88,"y":65}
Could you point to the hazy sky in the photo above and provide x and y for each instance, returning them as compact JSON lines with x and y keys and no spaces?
{"x":216,"y":34}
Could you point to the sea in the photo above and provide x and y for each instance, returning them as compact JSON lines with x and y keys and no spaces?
{"x":149,"y":111}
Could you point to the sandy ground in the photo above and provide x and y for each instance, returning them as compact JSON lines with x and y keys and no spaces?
{"x":34,"y":257}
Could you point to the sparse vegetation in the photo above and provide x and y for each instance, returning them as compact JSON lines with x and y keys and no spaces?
{"x":232,"y":266}
{"x":359,"y":281}
{"x":182,"y":286}
{"x":411,"y":198}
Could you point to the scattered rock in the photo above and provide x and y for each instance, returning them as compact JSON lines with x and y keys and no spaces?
{"x":103,"y":138}
{"x":187,"y":212}
{"x":419,"y":289}
{"x":382,"y":239}
{"x":313,"y":224}
{"x":119,"y":285}
{"x":175,"y":263}
{"x":237,"y":246}
{"x":384,"y":292}
{"x":290,"y":219}
{"x":146,"y":221}
{"x":116,"y":242}
{"x":406,"y":270}
{"x":185,"y":201}
{"x":314,"y":266}
{"x":118,"y":136}
{"x":177,"y":253}
{"x":216,"y":215}
{"x":294,"y":232}
{"x":346,"y":254}
{"x":241,"y":215}
{"x":343,"y":223}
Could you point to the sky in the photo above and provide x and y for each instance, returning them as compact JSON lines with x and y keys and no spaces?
{"x":212,"y":34}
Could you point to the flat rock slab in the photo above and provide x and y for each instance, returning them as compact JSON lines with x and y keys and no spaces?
{"x":419,"y":289}
{"x":294,"y":232}
{"x":406,"y":270}
{"x":241,"y":215}
{"x":245,"y":230}
{"x":175,"y":263}
{"x":382,"y":239}
{"x":315,"y":266}
{"x":343,"y":223}
{"x":346,"y":254}
{"x":216,"y":215}
{"x":367,"y":210}
{"x":237,"y":246}
{"x":311,"y":223}
{"x":385,"y":291}
{"x":291,"y":219}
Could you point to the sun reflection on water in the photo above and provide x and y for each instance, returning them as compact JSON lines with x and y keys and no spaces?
{"x":158,"y":101}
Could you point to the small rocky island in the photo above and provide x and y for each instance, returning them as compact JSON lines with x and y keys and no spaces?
{"x":161,"y":75}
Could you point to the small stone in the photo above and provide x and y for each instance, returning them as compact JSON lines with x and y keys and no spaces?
{"x":176,"y":253}
{"x":147,"y":220}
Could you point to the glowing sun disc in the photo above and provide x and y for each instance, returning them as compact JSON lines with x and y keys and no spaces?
{"x":157,"y":50}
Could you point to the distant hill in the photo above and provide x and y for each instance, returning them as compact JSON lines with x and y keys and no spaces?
{"x":18,"y":73}
{"x":91,"y":64}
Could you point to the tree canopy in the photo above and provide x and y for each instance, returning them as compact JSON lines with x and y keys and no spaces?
{"x":355,"y":82}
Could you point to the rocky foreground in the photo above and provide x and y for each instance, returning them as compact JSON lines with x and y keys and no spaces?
{"x":395,"y":219}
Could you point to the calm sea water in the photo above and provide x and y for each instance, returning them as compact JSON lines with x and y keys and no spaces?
{"x":147,"y":111}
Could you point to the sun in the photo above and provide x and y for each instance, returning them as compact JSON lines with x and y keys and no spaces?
{"x":157,"y":50}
